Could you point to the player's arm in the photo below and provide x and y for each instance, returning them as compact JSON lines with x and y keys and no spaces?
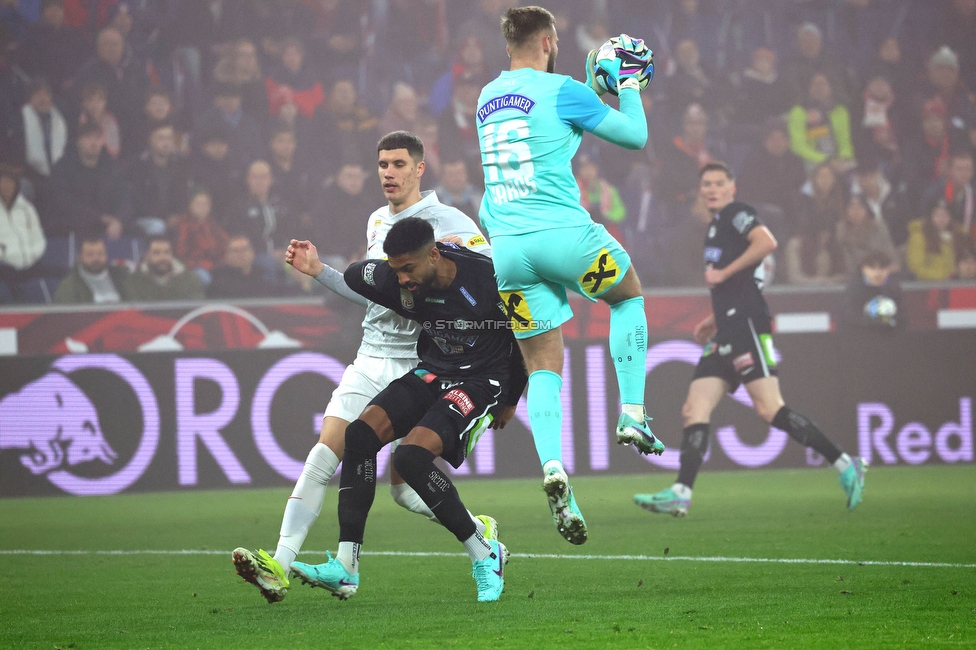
{"x":579,"y":105}
{"x":304,"y":257}
{"x":374,"y":281}
{"x":761,"y":244}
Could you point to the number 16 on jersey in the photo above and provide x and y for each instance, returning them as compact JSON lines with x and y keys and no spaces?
{"x":508,"y":161}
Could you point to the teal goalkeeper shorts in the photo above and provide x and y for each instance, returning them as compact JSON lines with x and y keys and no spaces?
{"x":535,"y":269}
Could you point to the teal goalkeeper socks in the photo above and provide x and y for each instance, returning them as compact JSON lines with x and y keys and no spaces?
{"x":545,"y":414}
{"x":628,"y":348}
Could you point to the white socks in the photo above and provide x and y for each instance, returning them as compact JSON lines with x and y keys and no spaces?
{"x":408,"y":498}
{"x":348,"y":554}
{"x":305,"y":503}
{"x":682,"y":490}
{"x":477,"y":548}
{"x":635,"y":411}
{"x":842,"y":463}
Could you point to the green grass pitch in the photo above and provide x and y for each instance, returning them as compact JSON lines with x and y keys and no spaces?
{"x":646,"y":580}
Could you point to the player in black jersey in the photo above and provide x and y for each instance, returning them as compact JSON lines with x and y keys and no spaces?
{"x":471,"y":376}
{"x":738,"y":347}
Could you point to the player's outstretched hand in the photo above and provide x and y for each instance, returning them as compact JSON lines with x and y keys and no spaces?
{"x":503,"y":418}
{"x":304,"y":257}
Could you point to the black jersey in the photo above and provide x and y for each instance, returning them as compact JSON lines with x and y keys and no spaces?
{"x":465,"y":329}
{"x":740,"y":296}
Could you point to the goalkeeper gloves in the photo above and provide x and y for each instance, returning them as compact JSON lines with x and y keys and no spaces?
{"x":627,"y":62}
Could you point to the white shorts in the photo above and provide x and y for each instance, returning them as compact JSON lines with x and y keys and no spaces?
{"x":362,"y":381}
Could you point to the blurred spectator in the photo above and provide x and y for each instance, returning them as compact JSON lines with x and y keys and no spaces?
{"x":763,"y":94}
{"x":291,"y":86}
{"x":956,"y":190}
{"x":240,"y":67}
{"x":44,"y":131}
{"x":677,"y":187}
{"x":455,"y":190}
{"x":160,"y":276}
{"x":873,"y":298}
{"x":94,"y":101}
{"x":966,"y":264}
{"x":261,"y":214}
{"x":338,"y":36}
{"x":346,"y":128}
{"x":415,"y":39}
{"x":813,"y":257}
{"x":483,"y":23}
{"x":243,"y":131}
{"x":471,"y":60}
{"x":934,"y":244}
{"x":889,"y":63}
{"x":694,"y":82}
{"x":205,"y":29}
{"x":878,"y":122}
{"x":92,"y":279}
{"x":956,"y":30}
{"x":885,"y":202}
{"x":600,"y":198}
{"x":22,"y":240}
{"x":122,"y":77}
{"x":200,"y":241}
{"x":51,"y":49}
{"x":943,"y":84}
{"x":859,"y":232}
{"x":812,"y":58}
{"x":820,"y":128}
{"x":159,"y":182}
{"x":340,"y":208}
{"x":403,"y":111}
{"x":821,"y":202}
{"x":683,"y":257}
{"x":429,"y":134}
{"x":772,"y":174}
{"x":456,"y":130}
{"x":926,"y":158}
{"x":86,"y":195}
{"x":291,"y":177}
{"x":237,"y":276}
{"x":212,"y":168}
{"x":157,"y":108}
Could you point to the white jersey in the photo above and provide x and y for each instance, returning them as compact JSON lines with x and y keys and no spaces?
{"x":385,"y":334}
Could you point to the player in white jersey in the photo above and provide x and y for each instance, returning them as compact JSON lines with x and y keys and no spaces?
{"x":388,"y":350}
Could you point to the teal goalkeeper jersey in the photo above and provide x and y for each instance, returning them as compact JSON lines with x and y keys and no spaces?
{"x":530,"y":124}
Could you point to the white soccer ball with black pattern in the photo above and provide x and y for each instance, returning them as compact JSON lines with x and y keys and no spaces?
{"x":642,"y":59}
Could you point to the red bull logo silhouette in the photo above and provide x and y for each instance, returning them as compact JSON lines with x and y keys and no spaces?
{"x":55,"y":422}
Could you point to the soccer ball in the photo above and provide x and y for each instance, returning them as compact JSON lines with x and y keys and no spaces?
{"x":614,"y":48}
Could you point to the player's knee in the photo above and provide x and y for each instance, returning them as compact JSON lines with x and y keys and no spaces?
{"x":410,"y":461}
{"x":361,"y":439}
{"x":767,"y":411}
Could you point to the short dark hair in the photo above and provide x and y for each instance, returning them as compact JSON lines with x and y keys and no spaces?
{"x":280,"y":128}
{"x":38,"y":84}
{"x":402,"y":140}
{"x":91,"y":236}
{"x":717,"y":166}
{"x":876,"y":259}
{"x":226,"y":89}
{"x":408,"y":236}
{"x":93,"y":90}
{"x":519,"y":24}
{"x":155,"y":238}
{"x":161,"y":124}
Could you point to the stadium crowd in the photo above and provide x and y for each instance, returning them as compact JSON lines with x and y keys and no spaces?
{"x":190,"y":140}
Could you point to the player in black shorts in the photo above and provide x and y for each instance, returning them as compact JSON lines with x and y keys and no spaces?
{"x":471,"y":375}
{"x":738,"y":347}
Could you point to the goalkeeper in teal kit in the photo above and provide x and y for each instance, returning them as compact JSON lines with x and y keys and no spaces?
{"x":530,"y":122}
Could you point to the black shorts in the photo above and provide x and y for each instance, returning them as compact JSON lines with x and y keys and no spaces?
{"x":449,"y":407}
{"x":739,"y":353}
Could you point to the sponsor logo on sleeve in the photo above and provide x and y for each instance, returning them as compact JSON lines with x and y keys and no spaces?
{"x":477,"y":240}
{"x":406,"y":299}
{"x":742,"y":221}
{"x":468,"y":297}
{"x":368,"y":274}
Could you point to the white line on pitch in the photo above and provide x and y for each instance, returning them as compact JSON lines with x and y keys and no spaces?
{"x":530,"y":556}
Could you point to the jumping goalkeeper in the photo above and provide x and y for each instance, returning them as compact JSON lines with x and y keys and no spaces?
{"x":530,"y":124}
